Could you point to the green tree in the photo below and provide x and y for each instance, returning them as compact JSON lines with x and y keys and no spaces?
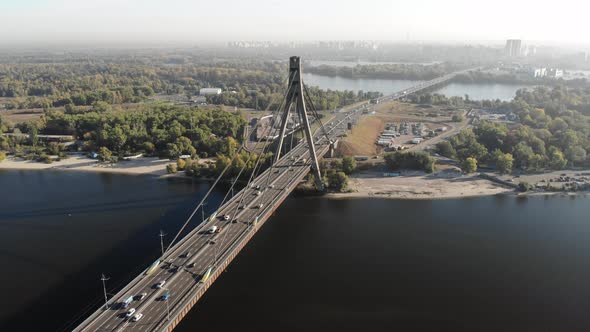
{"x":556,"y":158}
{"x":409,"y":160}
{"x":348,"y":165}
{"x":54,"y":148}
{"x":504,"y":162}
{"x":33,"y":135}
{"x":446,"y":149}
{"x":104,"y":154}
{"x":469,"y":165}
{"x":101,"y":107}
{"x":337,"y":181}
{"x":171,"y":168}
{"x":575,"y":154}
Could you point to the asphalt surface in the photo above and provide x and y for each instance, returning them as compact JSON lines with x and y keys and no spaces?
{"x":275,"y":185}
{"x":183,"y":282}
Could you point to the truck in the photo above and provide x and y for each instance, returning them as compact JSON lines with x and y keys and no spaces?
{"x":126,"y":302}
{"x":152,"y":268}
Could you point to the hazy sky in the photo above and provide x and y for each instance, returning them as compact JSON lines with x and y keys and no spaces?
{"x":222,"y":20}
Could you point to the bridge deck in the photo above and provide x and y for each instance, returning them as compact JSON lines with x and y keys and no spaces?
{"x":184,"y":283}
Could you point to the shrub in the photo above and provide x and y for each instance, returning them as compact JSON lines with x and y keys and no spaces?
{"x":171,"y":168}
{"x":410,"y":160}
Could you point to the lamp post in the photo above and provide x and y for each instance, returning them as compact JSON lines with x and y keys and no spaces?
{"x":103,"y":278}
{"x":162,"y":234}
{"x":167,"y":296}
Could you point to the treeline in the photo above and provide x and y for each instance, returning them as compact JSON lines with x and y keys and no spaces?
{"x":472,"y":77}
{"x":84,"y":84}
{"x":551,"y":133}
{"x":162,"y":130}
{"x":386,"y":71}
{"x":409,"y":160}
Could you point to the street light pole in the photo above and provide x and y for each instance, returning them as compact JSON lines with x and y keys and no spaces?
{"x":104,"y":288}
{"x":203,"y":212}
{"x":162,"y":234}
{"x":167,"y":305}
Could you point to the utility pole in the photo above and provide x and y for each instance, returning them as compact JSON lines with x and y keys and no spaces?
{"x":162,"y":234}
{"x":104,"y":288}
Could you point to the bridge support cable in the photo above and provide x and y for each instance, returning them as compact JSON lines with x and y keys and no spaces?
{"x":295,"y":95}
{"x":257,"y":167}
{"x":204,"y":199}
{"x":315,"y":112}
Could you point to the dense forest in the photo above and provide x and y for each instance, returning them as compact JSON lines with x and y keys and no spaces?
{"x":246,"y":84}
{"x":387,"y":71}
{"x":552,"y":132}
{"x":162,"y":130}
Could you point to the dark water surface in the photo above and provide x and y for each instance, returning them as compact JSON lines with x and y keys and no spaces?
{"x":481,"y":264}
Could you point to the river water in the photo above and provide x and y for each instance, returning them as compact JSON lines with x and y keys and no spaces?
{"x":504,"y":92}
{"x":480,"y":264}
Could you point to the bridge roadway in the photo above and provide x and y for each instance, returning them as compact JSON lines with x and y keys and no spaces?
{"x":185,"y":284}
{"x":218,"y":250}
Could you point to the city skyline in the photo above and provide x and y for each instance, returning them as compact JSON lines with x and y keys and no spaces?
{"x":182,"y":21}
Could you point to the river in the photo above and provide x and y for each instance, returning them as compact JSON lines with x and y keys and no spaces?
{"x":485,"y":264}
{"x":504,"y":92}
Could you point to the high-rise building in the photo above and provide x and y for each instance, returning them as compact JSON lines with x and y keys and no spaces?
{"x":513,"y":48}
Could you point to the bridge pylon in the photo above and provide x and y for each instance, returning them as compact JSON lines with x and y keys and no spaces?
{"x":295,"y":96}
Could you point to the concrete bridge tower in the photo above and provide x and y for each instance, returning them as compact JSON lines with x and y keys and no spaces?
{"x":295,"y":96}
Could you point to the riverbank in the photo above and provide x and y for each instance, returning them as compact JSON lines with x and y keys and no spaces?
{"x":418,"y":185}
{"x":140,"y":166}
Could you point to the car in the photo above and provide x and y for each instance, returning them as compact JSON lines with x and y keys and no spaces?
{"x":212,"y":242}
{"x":165,"y":297}
{"x":234,"y":221}
{"x":160,"y":284}
{"x":226,"y":217}
{"x":241,"y":207}
{"x":258,"y":193}
{"x":191,"y":265}
{"x":130,"y":312}
{"x":137,"y":317}
{"x":187,"y":254}
{"x":259,"y":206}
{"x":257,"y":187}
{"x":271,"y":186}
{"x":141,"y":296}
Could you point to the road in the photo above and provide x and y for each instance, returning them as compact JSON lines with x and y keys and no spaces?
{"x":209,"y":250}
{"x":203,"y":251}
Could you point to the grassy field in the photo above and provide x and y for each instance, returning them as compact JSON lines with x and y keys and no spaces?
{"x":361,"y":141}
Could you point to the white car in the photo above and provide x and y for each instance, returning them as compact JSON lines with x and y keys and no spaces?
{"x":160,"y":284}
{"x":137,"y":317}
{"x":130,"y":312}
{"x":260,"y":206}
{"x":226,"y":217}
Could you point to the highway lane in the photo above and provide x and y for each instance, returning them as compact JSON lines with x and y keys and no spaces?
{"x":185,"y":281}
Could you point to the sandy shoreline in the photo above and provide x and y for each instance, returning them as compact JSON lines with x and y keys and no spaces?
{"x":417,"y":185}
{"x":140,"y":166}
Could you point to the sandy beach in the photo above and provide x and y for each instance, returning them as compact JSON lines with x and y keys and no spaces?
{"x":146,"y":166}
{"x":418,"y":185}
